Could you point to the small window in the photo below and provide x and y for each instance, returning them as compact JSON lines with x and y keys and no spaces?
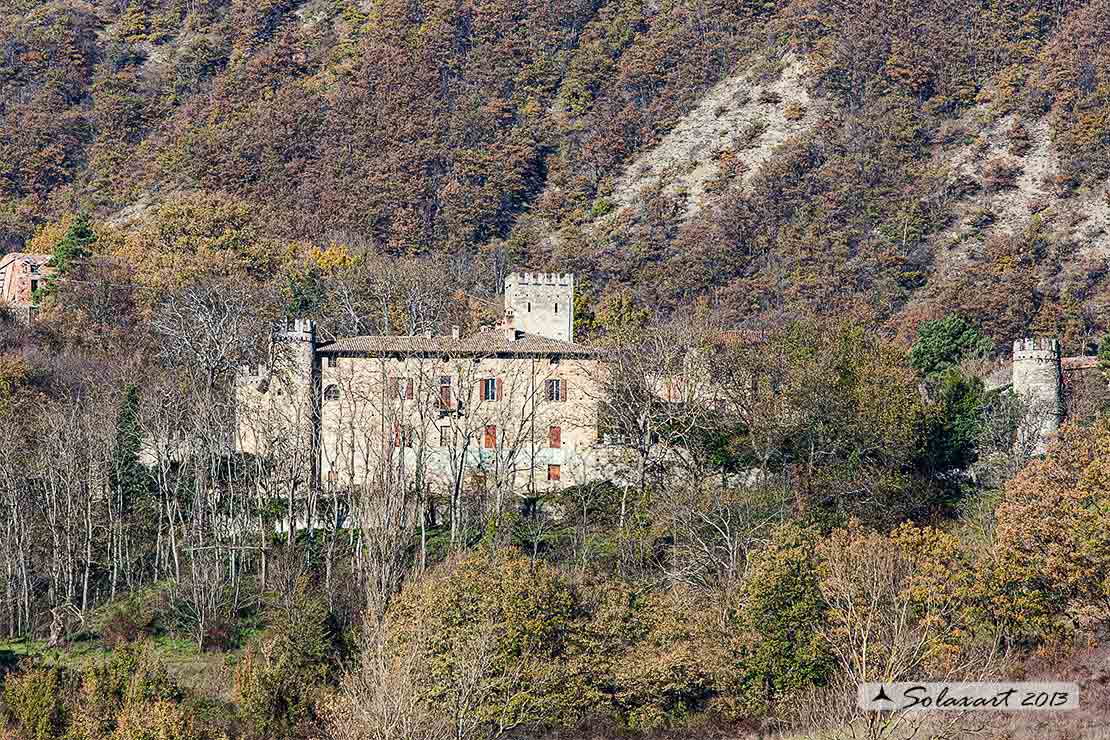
{"x":445,"y":392}
{"x":490,"y":438}
{"x":529,"y":306}
{"x":402,"y":388}
{"x":556,"y":389}
{"x":554,"y":472}
{"x":555,"y":437}
{"x":556,"y":308}
{"x":491,"y":389}
{"x":402,"y":436}
{"x":331,"y":393}
{"x":445,"y":436}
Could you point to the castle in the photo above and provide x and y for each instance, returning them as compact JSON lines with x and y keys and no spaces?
{"x":511,"y":409}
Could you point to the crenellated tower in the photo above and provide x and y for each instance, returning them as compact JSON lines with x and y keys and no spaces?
{"x":541,"y":303}
{"x":1037,"y":380}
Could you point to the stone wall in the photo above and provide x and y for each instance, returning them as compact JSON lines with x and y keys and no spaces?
{"x":541,"y":303}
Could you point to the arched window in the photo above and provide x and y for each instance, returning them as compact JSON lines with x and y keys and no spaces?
{"x":331,"y":393}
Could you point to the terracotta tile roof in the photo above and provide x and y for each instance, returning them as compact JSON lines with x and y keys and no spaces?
{"x":1078,"y":363}
{"x":483,"y":343}
{"x":38,"y":259}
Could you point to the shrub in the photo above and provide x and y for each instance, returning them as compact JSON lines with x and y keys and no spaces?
{"x":494,"y":635}
{"x":944,"y":343}
{"x":156,"y":720}
{"x":1001,"y":173}
{"x":662,"y":668}
{"x":128,"y":620}
{"x":780,"y":611}
{"x":130,"y":675}
{"x":1053,"y":539}
{"x":794,"y":111}
{"x":602,"y":207}
{"x":34,"y":700}
{"x":283,"y":673}
{"x":1020,"y":143}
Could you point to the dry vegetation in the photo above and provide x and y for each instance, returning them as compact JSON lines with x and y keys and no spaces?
{"x":831,"y":176}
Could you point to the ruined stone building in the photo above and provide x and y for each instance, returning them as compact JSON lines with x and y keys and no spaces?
{"x":21,"y":275}
{"x":513,"y":407}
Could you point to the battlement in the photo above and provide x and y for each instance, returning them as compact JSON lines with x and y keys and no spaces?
{"x":1037,"y":345}
{"x":541,"y":303}
{"x":297,"y":329}
{"x":522,"y":279}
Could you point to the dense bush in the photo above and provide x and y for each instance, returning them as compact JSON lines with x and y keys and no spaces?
{"x":283,"y":672}
{"x":35,"y":702}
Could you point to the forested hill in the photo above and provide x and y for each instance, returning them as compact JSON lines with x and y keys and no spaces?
{"x":895,"y":160}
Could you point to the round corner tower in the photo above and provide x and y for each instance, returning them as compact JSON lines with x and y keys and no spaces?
{"x":1037,"y":380}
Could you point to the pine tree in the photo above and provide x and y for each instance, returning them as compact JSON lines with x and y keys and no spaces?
{"x":75,"y":245}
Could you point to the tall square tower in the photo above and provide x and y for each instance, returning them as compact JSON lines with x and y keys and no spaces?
{"x":541,"y":303}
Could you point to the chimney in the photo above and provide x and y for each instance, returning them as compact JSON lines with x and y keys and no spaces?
{"x":510,"y":332}
{"x":455,"y":332}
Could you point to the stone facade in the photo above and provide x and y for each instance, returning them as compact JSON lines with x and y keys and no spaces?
{"x":512,"y":408}
{"x":541,"y":303}
{"x":1037,"y":379}
{"x":1055,"y":388}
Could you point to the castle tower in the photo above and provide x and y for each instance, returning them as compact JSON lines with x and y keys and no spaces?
{"x":1037,"y":380}
{"x":295,"y":349}
{"x":293,"y":391}
{"x":541,"y":303}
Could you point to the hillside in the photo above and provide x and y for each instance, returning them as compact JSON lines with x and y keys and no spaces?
{"x":776,"y":156}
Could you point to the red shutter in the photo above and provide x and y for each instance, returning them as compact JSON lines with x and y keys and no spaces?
{"x":396,"y":435}
{"x":491,"y":437}
{"x":564,"y":390}
{"x":499,"y":389}
{"x":555,"y":437}
{"x":393,"y":386}
{"x":408,"y":389}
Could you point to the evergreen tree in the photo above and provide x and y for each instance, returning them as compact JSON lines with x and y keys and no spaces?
{"x":943,"y":343}
{"x":128,"y":477}
{"x":75,"y":245}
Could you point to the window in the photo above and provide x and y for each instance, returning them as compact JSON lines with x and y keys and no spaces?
{"x":490,"y":439}
{"x":553,"y":472}
{"x":401,"y":388}
{"x":445,"y":392}
{"x":445,"y":436}
{"x":556,"y":308}
{"x":402,"y":436}
{"x":555,"y":437}
{"x":490,"y":389}
{"x":556,"y":389}
{"x":331,"y":393}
